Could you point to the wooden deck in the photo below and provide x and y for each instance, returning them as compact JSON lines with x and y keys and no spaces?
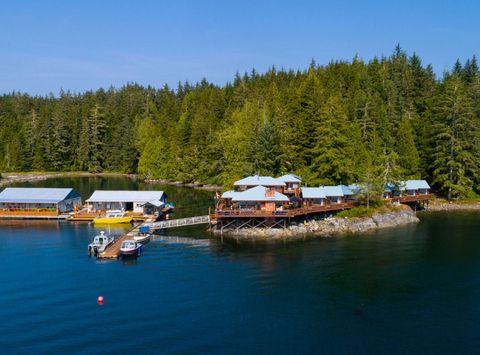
{"x":281,"y":214}
{"x":113,"y":250}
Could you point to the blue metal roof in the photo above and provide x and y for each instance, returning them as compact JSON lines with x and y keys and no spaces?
{"x":258,"y":193}
{"x":332,"y":191}
{"x":416,"y":184}
{"x":126,"y":196}
{"x":347,"y":191}
{"x":289,"y":178}
{"x":313,"y":192}
{"x":36,"y":195}
{"x":259,"y":180}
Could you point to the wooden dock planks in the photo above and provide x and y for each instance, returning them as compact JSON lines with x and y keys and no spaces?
{"x":113,"y":250}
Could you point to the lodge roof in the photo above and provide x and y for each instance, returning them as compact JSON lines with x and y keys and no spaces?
{"x":289,"y":178}
{"x":257,"y":180}
{"x":36,"y":195}
{"x":126,"y":196}
{"x":346,"y":190}
{"x":416,"y":184}
{"x":258,"y":193}
{"x":332,"y":191}
{"x":313,"y":192}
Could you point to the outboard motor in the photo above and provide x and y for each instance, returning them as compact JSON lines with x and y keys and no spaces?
{"x":95,"y":250}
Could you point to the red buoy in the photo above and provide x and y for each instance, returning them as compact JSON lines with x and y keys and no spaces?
{"x":100,"y":300}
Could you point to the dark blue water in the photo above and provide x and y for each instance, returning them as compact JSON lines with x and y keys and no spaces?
{"x":410,"y":290}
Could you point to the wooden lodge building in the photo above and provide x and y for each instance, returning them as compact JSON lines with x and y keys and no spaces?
{"x":38,"y":202}
{"x":258,"y":201}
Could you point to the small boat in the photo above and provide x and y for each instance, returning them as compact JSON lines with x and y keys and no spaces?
{"x":142,"y":238}
{"x":99,"y":244}
{"x":131,"y":248}
{"x":113,"y":217}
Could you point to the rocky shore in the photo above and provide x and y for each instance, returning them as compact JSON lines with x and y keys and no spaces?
{"x":327,"y":227}
{"x":444,"y":205}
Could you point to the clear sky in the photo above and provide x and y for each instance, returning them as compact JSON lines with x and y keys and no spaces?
{"x":80,"y":45}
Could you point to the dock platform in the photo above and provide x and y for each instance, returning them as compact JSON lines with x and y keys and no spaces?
{"x":113,"y":250}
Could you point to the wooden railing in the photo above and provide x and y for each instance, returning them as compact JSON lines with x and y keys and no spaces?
{"x":222,"y":213}
{"x":28,"y":212}
{"x":404,"y":199}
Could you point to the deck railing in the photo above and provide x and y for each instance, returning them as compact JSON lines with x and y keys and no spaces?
{"x":219,"y":213}
{"x":41,"y":212}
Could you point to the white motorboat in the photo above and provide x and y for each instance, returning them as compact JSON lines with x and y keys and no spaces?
{"x":99,"y":244}
{"x":131,"y":248}
{"x":142,"y":238}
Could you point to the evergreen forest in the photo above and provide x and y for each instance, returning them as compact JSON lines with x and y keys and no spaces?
{"x":379,"y":121}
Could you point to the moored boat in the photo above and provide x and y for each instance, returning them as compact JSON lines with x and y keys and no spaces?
{"x":99,"y":244}
{"x":142,"y":238}
{"x":131,"y":248}
{"x":113,"y":217}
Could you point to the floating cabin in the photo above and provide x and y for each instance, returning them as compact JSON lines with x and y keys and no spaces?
{"x":266,"y":201}
{"x":38,"y":202}
{"x":141,"y":202}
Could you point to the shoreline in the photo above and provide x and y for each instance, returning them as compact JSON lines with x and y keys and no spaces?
{"x":14,"y":177}
{"x":324,"y":228}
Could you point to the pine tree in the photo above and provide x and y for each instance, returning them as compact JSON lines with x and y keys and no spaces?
{"x":455,"y":138}
{"x":408,"y":158}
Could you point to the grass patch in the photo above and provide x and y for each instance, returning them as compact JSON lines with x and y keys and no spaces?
{"x":363,"y":211}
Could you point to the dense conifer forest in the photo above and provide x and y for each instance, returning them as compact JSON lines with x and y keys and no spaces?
{"x":384,"y":120}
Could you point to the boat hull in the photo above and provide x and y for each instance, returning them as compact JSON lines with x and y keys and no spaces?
{"x":114,"y":220}
{"x":131,"y":252}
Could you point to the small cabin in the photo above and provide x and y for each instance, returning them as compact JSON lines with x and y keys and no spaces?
{"x":50,"y":200}
{"x":416,"y":187}
{"x":348,"y":194}
{"x":313,"y":196}
{"x":145,"y":202}
{"x":334,"y":194}
{"x":256,"y":180}
{"x":292,"y":184}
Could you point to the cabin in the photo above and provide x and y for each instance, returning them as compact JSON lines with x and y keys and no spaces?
{"x":37,"y":200}
{"x":259,"y":198}
{"x":334,"y":194}
{"x":256,"y":180}
{"x":145,"y":202}
{"x":313,"y":196}
{"x":415,"y":187}
{"x":348,"y":194}
{"x":292,"y":184}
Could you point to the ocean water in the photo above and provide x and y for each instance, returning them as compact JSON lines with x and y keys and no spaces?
{"x":408,"y":290}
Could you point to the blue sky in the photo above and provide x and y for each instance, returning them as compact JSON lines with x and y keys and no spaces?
{"x":82,"y":45}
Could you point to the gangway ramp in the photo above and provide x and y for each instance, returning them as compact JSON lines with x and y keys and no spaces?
{"x":180,"y":222}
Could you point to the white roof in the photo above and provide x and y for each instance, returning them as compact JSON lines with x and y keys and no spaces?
{"x":332,"y":191}
{"x":416,"y":184}
{"x":313,"y":192}
{"x":289,"y":178}
{"x":125,"y":196}
{"x":228,"y":194}
{"x":259,"y":180}
{"x":36,"y":195}
{"x":258,"y":193}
